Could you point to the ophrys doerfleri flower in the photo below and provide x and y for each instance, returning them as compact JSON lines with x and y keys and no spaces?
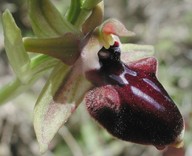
{"x":88,"y":59}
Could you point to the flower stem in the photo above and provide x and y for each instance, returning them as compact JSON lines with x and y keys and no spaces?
{"x":7,"y":91}
{"x":39,"y":65}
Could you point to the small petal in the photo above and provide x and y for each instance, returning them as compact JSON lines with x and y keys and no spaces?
{"x":95,"y":19}
{"x":113,"y":26}
{"x":108,"y":29}
{"x":134,"y":52}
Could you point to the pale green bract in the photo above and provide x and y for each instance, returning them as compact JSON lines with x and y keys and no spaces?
{"x":66,"y":45}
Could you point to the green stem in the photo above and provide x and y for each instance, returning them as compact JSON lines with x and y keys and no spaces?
{"x":8,"y":91}
{"x":39,"y":65}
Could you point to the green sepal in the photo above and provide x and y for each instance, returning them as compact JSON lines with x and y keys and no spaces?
{"x":74,"y":10}
{"x":47,"y":21}
{"x":18,"y":58}
{"x":59,"y":98}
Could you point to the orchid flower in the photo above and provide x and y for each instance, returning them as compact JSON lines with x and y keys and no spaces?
{"x":88,"y":60}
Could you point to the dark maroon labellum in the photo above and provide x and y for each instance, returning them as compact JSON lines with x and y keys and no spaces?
{"x":131,"y":103}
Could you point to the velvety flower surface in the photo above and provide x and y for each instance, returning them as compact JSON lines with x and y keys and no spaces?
{"x":130,"y":102}
{"x":86,"y":56}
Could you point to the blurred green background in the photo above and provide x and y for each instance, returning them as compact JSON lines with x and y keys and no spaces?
{"x":165,"y":24}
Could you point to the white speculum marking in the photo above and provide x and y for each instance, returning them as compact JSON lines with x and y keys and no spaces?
{"x":152,"y":84}
{"x":146,"y":97}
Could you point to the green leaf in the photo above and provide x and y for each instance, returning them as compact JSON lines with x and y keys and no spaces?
{"x":65,"y":48}
{"x":59,"y":98}
{"x":134,"y":52}
{"x":14,"y":47}
{"x":46,"y":20}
